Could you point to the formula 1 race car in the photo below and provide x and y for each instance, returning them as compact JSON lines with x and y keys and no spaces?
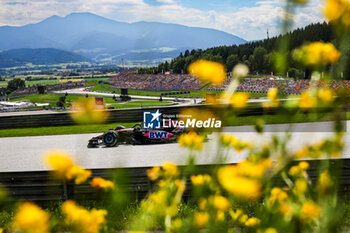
{"x":137,"y":135}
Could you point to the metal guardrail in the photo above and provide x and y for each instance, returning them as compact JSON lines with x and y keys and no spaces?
{"x":40,"y":186}
{"x":120,"y":115}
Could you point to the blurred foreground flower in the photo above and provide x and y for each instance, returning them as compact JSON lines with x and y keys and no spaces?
{"x":307,"y":101}
{"x":243,"y":179}
{"x":168,"y":170}
{"x":62,"y":163}
{"x":299,"y":170}
{"x":277,"y":195}
{"x":82,"y":220}
{"x":78,"y":173}
{"x":239,"y":100}
{"x":326,"y":95}
{"x":85,"y":111}
{"x":208,"y":71}
{"x":239,"y":71}
{"x":317,"y":54}
{"x":200,"y":179}
{"x":191,"y":140}
{"x":29,"y":218}
{"x":100,"y":183}
{"x":310,"y":211}
{"x":338,"y":10}
{"x":252,"y":222}
{"x":324,"y":182}
{"x":232,"y":141}
{"x":273,"y":101}
{"x":201,"y":219}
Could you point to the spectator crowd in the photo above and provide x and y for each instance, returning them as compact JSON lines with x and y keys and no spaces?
{"x":155,"y":82}
{"x":288,"y":86}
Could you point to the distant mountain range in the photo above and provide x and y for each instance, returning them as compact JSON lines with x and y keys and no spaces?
{"x":102,"y":39}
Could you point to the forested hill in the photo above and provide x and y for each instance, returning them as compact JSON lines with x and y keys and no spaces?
{"x":41,"y":56}
{"x":257,"y":54}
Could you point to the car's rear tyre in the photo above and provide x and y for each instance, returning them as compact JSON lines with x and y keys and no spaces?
{"x":110,"y":138}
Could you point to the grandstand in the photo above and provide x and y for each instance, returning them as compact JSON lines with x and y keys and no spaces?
{"x":155,"y":82}
{"x":288,"y":86}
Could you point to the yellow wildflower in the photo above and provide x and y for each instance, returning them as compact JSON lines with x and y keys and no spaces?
{"x":158,"y":197}
{"x":202,"y":203}
{"x":325,"y":95}
{"x":254,"y":170}
{"x":273,"y":101}
{"x":100,"y":183}
{"x":238,"y":185}
{"x":220,"y":216}
{"x":85,"y":111}
{"x":228,"y":140}
{"x":271,"y":230}
{"x":200,"y":179}
{"x":310,"y":211}
{"x":170,"y":169}
{"x":252,"y":222}
{"x":59,"y":161}
{"x":304,"y":152}
{"x":81,"y":219}
{"x":1,"y":230}
{"x":191,"y":140}
{"x":31,"y":219}
{"x":277,"y":194}
{"x":285,"y":209}
{"x":272,"y":94}
{"x":324,"y":182}
{"x":201,"y":219}
{"x":334,"y":9}
{"x":161,"y":183}
{"x":221,"y":203}
{"x":235,"y":215}
{"x":300,"y":186}
{"x":307,"y":101}
{"x":153,"y":173}
{"x":304,"y":165}
{"x":176,"y":223}
{"x":181,"y":185}
{"x":243,"y":218}
{"x":78,"y":173}
{"x":239,"y":100}
{"x":317,"y":54}
{"x":299,"y":170}
{"x":208,"y":71}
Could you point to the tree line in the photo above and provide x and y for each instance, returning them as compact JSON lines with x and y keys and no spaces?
{"x":257,"y":55}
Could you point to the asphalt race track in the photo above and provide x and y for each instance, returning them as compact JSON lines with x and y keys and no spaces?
{"x":26,"y":153}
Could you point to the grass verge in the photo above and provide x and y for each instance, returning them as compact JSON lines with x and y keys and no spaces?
{"x":60,"y":130}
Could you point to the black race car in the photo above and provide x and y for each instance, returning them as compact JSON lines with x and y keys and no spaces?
{"x":137,"y":135}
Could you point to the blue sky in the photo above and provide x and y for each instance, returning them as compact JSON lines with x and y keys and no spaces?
{"x":248,"y":19}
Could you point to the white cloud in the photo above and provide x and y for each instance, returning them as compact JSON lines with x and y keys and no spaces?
{"x":248,"y":22}
{"x":166,"y":1}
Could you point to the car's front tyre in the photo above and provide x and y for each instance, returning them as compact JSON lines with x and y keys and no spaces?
{"x":110,"y":138}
